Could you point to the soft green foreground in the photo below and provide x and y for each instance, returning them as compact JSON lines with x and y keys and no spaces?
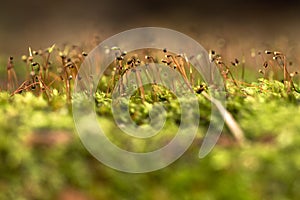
{"x":42,"y":157}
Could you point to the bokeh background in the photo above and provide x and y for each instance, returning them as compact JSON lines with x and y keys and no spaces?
{"x":237,"y":25}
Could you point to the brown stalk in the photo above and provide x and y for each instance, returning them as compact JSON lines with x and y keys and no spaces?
{"x":182,"y":72}
{"x":155,"y":73}
{"x":140,"y":84}
{"x":12,"y":80}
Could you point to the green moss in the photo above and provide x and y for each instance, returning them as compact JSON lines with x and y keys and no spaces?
{"x":267,"y":168}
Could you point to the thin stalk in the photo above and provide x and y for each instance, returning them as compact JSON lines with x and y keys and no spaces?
{"x":140,"y":85}
{"x":243,"y":68}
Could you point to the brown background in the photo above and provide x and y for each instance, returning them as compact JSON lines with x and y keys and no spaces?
{"x":230,"y":26}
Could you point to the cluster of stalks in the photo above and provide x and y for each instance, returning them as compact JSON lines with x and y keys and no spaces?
{"x":125,"y":64}
{"x":274,"y":64}
{"x":123,"y":67}
{"x":224,"y":69}
{"x":42,"y":76}
{"x":278,"y":61}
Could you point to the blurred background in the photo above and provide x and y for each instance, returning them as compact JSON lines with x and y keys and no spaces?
{"x":233,"y":24}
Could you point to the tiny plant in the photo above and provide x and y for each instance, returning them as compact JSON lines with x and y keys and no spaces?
{"x":55,"y":68}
